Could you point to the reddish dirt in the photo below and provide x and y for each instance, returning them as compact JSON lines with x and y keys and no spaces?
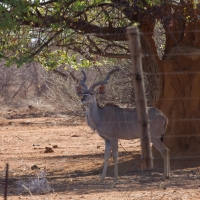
{"x":72,"y":165}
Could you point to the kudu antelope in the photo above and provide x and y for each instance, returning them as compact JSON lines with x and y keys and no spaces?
{"x":113,"y":123}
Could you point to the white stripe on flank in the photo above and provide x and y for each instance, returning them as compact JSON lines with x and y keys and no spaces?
{"x":118,"y":120}
{"x":125,"y":120}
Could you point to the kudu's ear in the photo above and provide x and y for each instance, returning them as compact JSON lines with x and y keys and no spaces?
{"x":79,"y":90}
{"x":101,"y":89}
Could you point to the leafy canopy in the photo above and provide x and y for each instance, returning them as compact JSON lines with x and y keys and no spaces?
{"x":78,"y":32}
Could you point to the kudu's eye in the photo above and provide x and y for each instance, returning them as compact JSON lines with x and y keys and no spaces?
{"x":91,"y":93}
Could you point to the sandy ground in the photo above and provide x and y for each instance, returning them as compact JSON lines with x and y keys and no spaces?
{"x":71,"y":166}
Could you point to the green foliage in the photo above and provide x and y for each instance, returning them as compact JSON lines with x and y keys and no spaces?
{"x":20,"y":39}
{"x":57,"y":58}
{"x":11,"y":11}
{"x":72,"y":32}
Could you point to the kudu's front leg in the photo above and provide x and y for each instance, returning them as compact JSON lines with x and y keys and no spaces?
{"x":114,"y":147}
{"x":106,"y":158}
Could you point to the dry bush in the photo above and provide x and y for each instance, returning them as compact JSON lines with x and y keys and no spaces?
{"x":32,"y":85}
{"x":61,"y":89}
{"x":18,"y":86}
{"x":61,"y":92}
{"x":34,"y":185}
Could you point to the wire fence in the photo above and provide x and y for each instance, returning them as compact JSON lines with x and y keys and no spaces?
{"x":176,"y":121}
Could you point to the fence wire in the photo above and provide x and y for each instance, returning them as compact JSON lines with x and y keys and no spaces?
{"x":186,"y":175}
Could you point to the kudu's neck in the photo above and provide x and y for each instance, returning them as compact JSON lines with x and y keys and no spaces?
{"x":93,"y":106}
{"x":93,"y":110}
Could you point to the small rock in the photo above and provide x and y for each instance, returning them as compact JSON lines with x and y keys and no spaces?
{"x":55,"y":146}
{"x":30,"y":107}
{"x":34,"y":167}
{"x":48,"y":150}
{"x":74,"y":136}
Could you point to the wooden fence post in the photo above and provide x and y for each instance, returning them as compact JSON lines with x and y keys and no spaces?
{"x":141,"y":105}
{"x":6,"y":183}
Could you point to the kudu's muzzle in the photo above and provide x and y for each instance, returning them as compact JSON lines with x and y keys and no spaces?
{"x":83,"y":99}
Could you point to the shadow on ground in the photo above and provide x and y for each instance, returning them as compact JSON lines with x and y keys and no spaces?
{"x":185,"y":173}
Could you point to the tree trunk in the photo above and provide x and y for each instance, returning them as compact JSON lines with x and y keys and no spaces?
{"x":180,"y":98}
{"x":180,"y":102}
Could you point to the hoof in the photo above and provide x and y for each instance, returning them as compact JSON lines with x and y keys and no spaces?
{"x":115,"y":180}
{"x":102,"y":179}
{"x":166,"y":183}
{"x":166,"y":178}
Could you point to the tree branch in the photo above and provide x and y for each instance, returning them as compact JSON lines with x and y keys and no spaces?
{"x":46,"y":43}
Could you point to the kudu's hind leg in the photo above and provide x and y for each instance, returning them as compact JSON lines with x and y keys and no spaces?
{"x":106,"y":158}
{"x":165,"y":152}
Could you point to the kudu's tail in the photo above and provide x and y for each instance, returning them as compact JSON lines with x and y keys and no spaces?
{"x":164,"y":129}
